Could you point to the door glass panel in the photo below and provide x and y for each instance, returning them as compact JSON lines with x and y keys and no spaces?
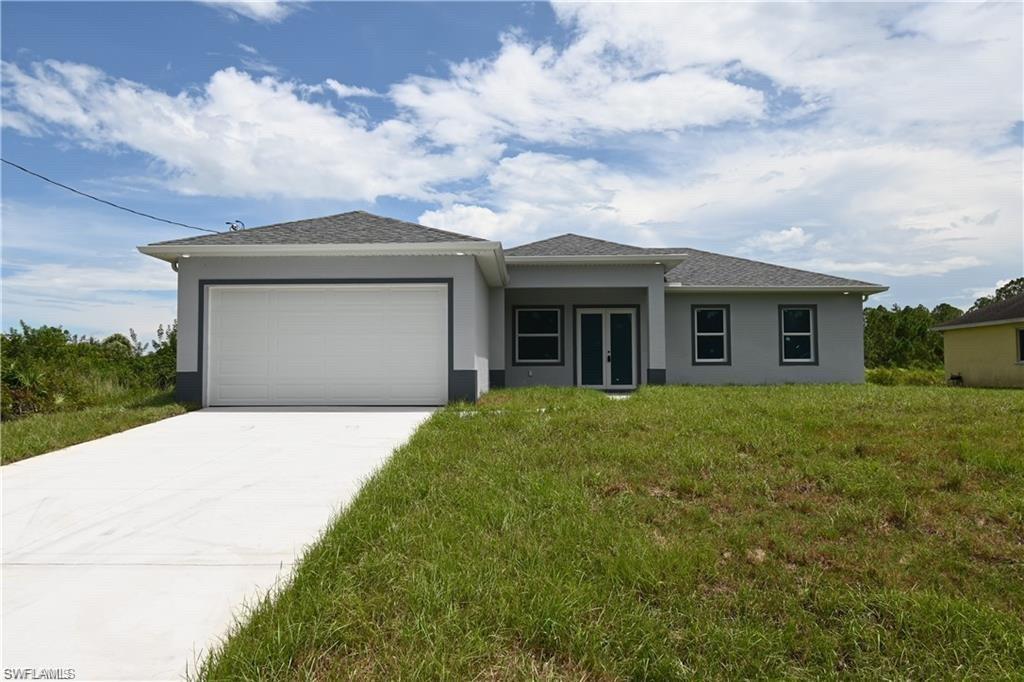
{"x":591,"y":350}
{"x":622,"y":348}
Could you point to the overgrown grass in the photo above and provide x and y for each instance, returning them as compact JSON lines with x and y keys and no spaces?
{"x":899,"y":376}
{"x":125,"y":409}
{"x":687,"y":532}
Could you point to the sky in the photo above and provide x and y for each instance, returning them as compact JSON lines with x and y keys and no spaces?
{"x":875,"y":141}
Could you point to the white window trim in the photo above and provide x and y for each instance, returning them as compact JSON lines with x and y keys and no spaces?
{"x":725,"y":359}
{"x":811,"y":335}
{"x":557,"y":334}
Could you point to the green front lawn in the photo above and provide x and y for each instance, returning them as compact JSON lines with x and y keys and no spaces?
{"x":726,"y":532}
{"x":40,"y":433}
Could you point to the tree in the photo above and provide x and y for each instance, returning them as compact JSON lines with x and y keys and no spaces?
{"x":1013,"y":288}
{"x":902,"y":337}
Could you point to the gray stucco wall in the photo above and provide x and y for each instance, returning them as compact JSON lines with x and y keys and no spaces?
{"x":469,"y":294}
{"x":562,"y":375}
{"x":596,"y":285}
{"x":754,"y":321}
{"x":481,"y":350}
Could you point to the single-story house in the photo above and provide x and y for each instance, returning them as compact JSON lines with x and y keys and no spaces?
{"x":985,"y":347}
{"x":359,"y":309}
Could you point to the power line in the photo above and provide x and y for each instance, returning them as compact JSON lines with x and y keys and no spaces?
{"x":104,"y":201}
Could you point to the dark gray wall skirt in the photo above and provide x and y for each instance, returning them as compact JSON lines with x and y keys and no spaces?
{"x":655,"y":377}
{"x":496,"y":378}
{"x":188,"y":387}
{"x":463,"y":386}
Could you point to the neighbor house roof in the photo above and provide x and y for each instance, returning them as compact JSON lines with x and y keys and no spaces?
{"x":1010,"y":310}
{"x":354,"y":227}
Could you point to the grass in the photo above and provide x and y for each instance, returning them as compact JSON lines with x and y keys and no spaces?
{"x":720,"y":532}
{"x":40,"y":433}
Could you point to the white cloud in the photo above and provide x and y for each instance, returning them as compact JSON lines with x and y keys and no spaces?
{"x":541,"y":94}
{"x":247,"y":48}
{"x":260,"y":65}
{"x":774,"y":242}
{"x":26,"y":125}
{"x":927,"y":71}
{"x":263,"y":11}
{"x":240,"y":135}
{"x":342,"y":90}
{"x":130,"y":292}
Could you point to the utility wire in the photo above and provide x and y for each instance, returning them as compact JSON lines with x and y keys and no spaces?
{"x":104,"y":201}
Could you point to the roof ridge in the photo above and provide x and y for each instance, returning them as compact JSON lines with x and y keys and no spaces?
{"x":311,"y":223}
{"x":578,"y":236}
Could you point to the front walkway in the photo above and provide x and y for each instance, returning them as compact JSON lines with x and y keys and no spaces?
{"x":125,"y":557}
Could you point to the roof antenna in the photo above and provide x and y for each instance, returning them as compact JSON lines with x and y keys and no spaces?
{"x":235,"y":225}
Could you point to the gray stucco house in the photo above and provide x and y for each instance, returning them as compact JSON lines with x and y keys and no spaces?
{"x":358,"y":309}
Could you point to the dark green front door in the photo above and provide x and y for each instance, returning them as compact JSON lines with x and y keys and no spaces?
{"x":606,"y":347}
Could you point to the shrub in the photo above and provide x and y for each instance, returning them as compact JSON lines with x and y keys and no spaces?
{"x":45,"y":369}
{"x":898,"y":376}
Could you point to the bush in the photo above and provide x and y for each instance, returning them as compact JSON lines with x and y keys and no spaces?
{"x":46,"y":369}
{"x":897,"y":376}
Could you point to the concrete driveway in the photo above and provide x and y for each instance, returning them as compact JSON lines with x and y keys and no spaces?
{"x":126,"y":557}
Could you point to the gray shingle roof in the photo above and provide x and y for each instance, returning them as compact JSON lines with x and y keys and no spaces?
{"x":704,"y":268}
{"x":574,"y":245}
{"x":698,"y":268}
{"x":1010,"y":309}
{"x":354,"y":227}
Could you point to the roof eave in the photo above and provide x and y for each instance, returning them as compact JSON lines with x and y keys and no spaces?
{"x":970,"y":325}
{"x":666,"y":260}
{"x":680,"y":288}
{"x":489,"y":255}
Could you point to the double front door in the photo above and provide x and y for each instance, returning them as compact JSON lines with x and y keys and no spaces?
{"x":606,"y":341}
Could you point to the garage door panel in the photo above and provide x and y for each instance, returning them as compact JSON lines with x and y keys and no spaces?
{"x":338,"y":344}
{"x":243,"y":393}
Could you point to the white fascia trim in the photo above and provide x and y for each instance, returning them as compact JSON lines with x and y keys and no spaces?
{"x":489,"y":255}
{"x":667,"y":260}
{"x":991,"y":323}
{"x":678,"y":288}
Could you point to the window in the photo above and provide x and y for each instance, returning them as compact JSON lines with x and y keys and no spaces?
{"x":711,"y":335}
{"x":538,"y":336}
{"x":798,"y":327}
{"x":1020,"y":345}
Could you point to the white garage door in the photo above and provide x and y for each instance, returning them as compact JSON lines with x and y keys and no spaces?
{"x":348,"y":344}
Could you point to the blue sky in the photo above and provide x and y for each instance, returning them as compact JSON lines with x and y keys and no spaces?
{"x":876,"y":141}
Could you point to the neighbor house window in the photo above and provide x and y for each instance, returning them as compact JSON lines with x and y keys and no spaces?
{"x":798,"y":328}
{"x":1020,"y":345}
{"x":710,"y":335}
{"x":538,"y":336}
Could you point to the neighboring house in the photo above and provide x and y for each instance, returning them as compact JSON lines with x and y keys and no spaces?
{"x":359,"y":309}
{"x":985,"y":347}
